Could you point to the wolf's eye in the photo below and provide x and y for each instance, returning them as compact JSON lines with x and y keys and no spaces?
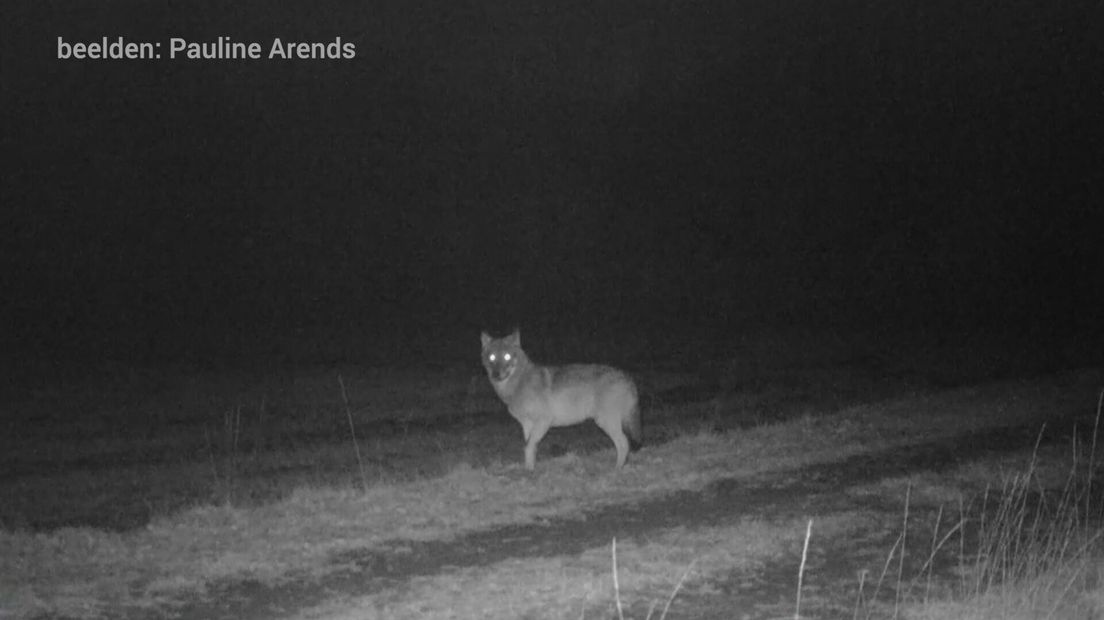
{"x":506,"y":356}
{"x":491,"y":357}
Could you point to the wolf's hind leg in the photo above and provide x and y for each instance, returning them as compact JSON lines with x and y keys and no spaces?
{"x":612,"y":427}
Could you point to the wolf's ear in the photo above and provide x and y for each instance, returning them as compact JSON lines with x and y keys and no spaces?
{"x":514,"y":339}
{"x":485,"y":338}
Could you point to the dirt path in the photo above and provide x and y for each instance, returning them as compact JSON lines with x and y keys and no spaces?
{"x":794,"y":493}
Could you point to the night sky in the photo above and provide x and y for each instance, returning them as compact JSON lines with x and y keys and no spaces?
{"x":583,"y":167}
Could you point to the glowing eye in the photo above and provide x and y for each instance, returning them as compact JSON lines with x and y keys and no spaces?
{"x":506,"y":357}
{"x":491,"y":357}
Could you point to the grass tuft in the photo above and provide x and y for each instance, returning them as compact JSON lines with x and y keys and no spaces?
{"x":1027,"y":549}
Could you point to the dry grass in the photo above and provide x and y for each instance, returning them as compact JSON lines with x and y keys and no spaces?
{"x":83,"y":571}
{"x":1030,"y":546}
{"x":640,"y":581}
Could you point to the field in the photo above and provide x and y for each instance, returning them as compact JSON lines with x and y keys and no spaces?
{"x":789,"y":474}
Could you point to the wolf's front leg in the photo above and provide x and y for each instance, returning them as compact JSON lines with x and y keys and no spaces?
{"x":535,"y":434}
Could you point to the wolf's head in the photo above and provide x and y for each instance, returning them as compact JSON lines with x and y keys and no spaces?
{"x":501,"y":356}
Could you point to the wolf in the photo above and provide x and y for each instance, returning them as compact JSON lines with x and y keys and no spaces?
{"x":540,"y":397}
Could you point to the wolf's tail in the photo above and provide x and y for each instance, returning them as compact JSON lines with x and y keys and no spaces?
{"x":631,"y":425}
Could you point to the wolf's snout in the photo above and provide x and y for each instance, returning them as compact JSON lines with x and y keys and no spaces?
{"x":500,"y":372}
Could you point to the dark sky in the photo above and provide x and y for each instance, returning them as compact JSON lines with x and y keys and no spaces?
{"x":563,"y":165}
